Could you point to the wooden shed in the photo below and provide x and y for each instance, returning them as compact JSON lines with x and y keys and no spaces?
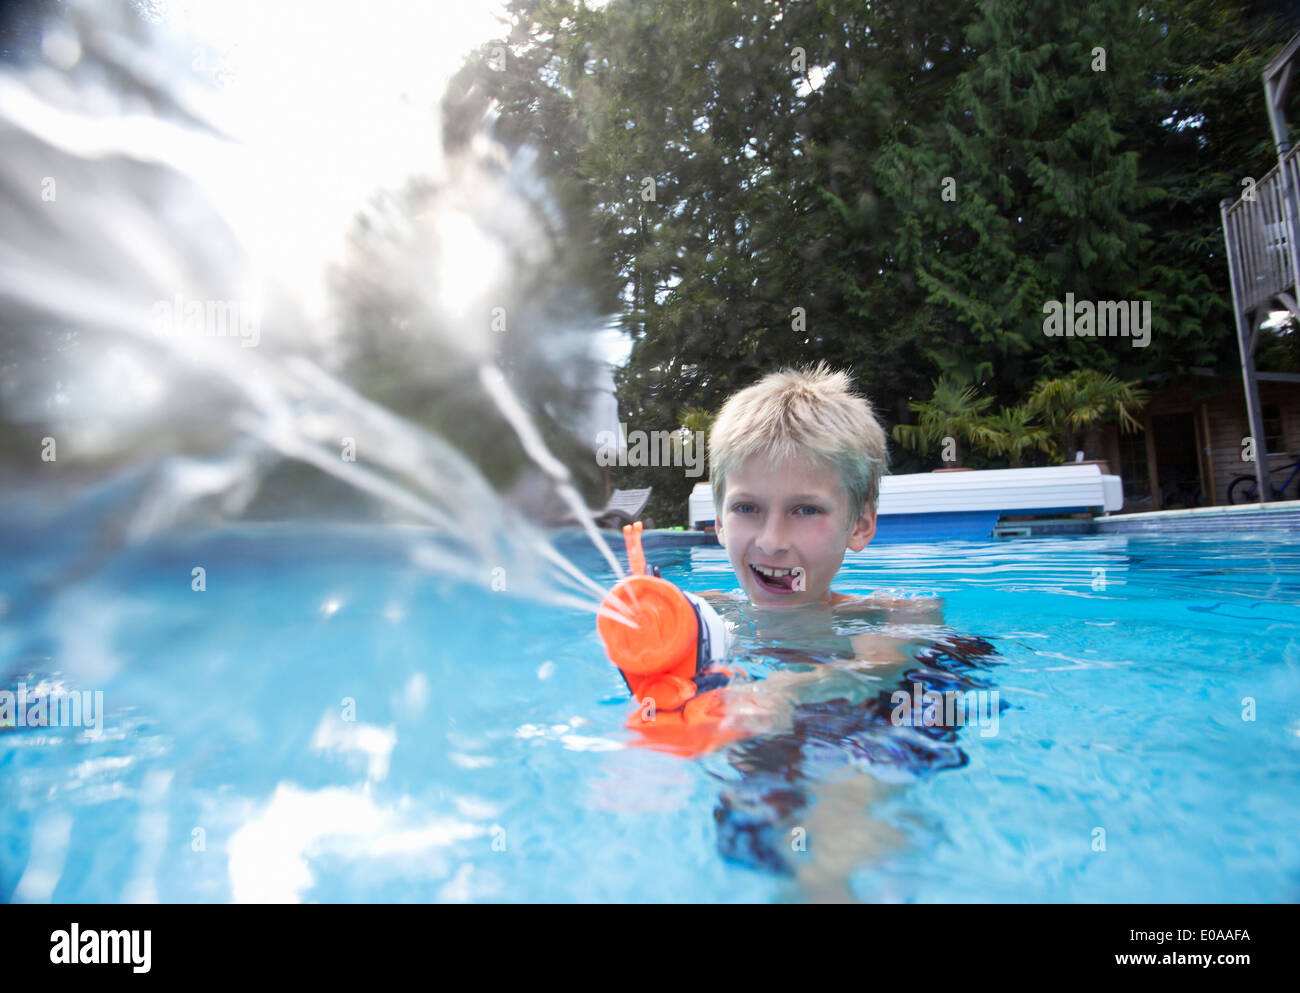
{"x":1194,"y":437}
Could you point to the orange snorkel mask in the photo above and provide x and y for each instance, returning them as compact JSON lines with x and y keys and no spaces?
{"x":667,"y":649}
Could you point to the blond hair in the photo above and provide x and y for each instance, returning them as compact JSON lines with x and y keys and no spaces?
{"x":811,"y":412}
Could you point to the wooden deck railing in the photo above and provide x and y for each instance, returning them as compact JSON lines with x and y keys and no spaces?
{"x":1257,"y":230}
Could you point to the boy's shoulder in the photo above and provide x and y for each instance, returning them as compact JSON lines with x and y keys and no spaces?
{"x":887,"y":599}
{"x":719,"y":596}
{"x":876,"y":600}
{"x":892,"y":606}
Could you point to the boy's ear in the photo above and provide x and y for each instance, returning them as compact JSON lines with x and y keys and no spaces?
{"x":863,"y":531}
{"x":717,"y":530}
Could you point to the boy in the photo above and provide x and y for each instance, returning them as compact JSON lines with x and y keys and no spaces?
{"x":796,"y":461}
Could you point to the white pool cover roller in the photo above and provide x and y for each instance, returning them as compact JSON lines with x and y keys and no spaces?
{"x":1051,"y":489}
{"x":1058,"y":488}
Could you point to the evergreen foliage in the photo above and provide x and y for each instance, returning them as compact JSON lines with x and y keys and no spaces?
{"x":799,"y":153}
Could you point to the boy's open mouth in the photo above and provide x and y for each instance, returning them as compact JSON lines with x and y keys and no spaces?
{"x":776,"y":580}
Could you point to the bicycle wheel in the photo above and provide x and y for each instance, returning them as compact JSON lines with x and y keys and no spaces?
{"x":1243,"y":490}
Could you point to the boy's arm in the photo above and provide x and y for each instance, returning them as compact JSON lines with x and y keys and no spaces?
{"x":881,"y":649}
{"x":878,"y":649}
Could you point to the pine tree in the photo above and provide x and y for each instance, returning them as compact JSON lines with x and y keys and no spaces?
{"x":1028,"y":187}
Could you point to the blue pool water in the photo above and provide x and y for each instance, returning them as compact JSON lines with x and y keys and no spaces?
{"x":485,"y":756}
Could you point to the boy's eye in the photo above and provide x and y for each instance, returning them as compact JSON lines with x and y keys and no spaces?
{"x":743,"y":508}
{"x":807,"y":511}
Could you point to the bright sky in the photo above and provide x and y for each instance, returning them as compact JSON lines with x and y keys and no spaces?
{"x":332,"y":101}
{"x":337,"y":99}
{"x":354,"y":82}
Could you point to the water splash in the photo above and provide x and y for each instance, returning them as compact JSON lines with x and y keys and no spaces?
{"x":212,"y":277}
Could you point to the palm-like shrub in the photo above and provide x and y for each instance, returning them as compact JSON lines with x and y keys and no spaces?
{"x":953,"y":411}
{"x":1051,"y":419}
{"x":1012,"y":432}
{"x":1085,"y":398}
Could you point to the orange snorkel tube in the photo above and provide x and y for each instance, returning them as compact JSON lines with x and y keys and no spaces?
{"x":669,"y":639}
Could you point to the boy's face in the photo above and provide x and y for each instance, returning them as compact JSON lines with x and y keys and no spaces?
{"x":791,"y":515}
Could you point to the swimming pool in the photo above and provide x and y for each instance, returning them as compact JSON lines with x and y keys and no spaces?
{"x":486,"y":760}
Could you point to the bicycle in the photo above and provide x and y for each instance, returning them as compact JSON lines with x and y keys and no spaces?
{"x":1245,"y":489}
{"x":1180,"y":493}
